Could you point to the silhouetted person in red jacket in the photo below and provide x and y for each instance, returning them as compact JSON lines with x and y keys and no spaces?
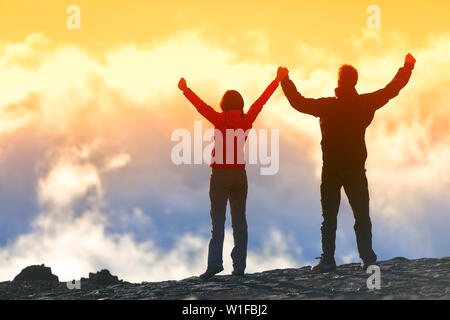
{"x":228,"y":178}
{"x":343,"y":122}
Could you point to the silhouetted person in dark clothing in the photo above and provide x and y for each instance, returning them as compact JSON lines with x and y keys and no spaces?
{"x":228,"y":176}
{"x":343,"y":122}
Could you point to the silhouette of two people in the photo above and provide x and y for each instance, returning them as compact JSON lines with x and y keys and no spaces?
{"x":343,"y":122}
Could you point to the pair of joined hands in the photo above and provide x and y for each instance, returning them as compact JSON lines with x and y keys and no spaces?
{"x":281,"y":74}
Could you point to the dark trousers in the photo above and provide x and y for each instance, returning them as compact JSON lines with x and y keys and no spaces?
{"x":355,"y":186}
{"x":228,"y":184}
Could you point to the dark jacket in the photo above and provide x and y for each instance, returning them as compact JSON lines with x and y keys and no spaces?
{"x":345,"y":117}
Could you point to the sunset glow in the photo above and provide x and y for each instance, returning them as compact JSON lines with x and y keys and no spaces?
{"x":86,"y":118}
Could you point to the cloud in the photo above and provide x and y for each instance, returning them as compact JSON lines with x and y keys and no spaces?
{"x":29,"y":54}
{"x":76,"y":243}
{"x":75,"y":246}
{"x":118,"y":161}
{"x":67,"y":182}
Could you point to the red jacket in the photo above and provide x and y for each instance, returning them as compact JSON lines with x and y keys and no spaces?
{"x":232,"y":120}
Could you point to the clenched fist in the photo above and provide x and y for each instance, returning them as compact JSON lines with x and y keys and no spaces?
{"x":410,"y":61}
{"x":182,"y":85}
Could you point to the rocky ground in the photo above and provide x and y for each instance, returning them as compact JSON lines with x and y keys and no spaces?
{"x":400,"y":279}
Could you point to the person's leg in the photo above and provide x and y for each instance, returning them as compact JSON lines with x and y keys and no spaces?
{"x":356,"y":188}
{"x":330,"y":197}
{"x":218,"y":193}
{"x":238,"y":198}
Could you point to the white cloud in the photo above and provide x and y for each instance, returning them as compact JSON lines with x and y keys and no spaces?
{"x":67,"y":182}
{"x":116,"y":162}
{"x":76,"y":244}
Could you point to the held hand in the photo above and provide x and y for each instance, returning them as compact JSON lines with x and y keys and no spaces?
{"x":281,"y":73}
{"x":409,"y":60}
{"x":182,"y":85}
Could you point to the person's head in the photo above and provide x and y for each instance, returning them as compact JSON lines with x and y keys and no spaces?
{"x":232,"y":100}
{"x":348,"y":76}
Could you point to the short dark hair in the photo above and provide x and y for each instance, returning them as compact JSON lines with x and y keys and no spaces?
{"x":348,"y":75}
{"x":232,"y":100}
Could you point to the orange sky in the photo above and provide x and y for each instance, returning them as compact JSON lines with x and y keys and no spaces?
{"x":330,"y":24}
{"x":143,"y":47}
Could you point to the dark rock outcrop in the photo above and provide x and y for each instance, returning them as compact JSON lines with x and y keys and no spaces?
{"x":400,"y":279}
{"x":101,"y":278}
{"x":36,"y":273}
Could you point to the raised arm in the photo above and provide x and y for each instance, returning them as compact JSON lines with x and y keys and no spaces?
{"x":205,"y":110}
{"x":257,"y":106}
{"x":380,"y":97}
{"x":310,"y":106}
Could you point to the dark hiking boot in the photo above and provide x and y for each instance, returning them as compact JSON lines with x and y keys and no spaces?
{"x":238,"y":273}
{"x":325,"y":265}
{"x":366,"y":263}
{"x":209,"y":273}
